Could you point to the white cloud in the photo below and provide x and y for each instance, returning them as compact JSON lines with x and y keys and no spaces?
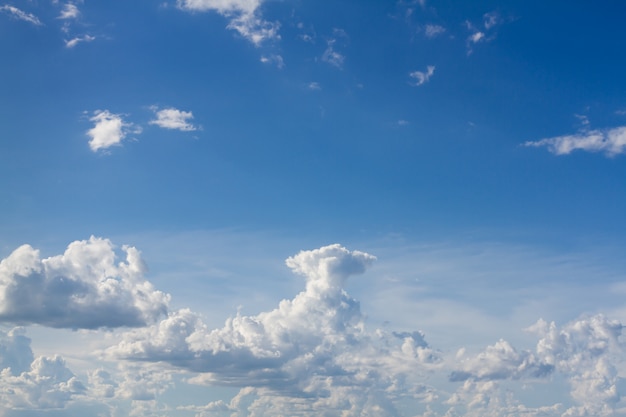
{"x":312,"y":350}
{"x":33,"y":383}
{"x":172,"y":118}
{"x":70,"y":11}
{"x":109,"y":130}
{"x":422,"y":77}
{"x":432,"y":31}
{"x":21,"y":15}
{"x":314,"y":85}
{"x":83,"y":288}
{"x":490,"y":21}
{"x":75,"y":41}
{"x":611,"y":142}
{"x":243,"y":16}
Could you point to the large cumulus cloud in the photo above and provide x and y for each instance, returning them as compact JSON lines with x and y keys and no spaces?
{"x":311,"y":351}
{"x":85,"y":287}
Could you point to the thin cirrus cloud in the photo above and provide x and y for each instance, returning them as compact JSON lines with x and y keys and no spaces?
{"x":172,"y":118}
{"x":244,"y":17}
{"x":611,"y":142}
{"x":70,"y":11}
{"x":79,"y":39}
{"x":21,"y":15}
{"x":422,"y":77}
{"x":84,"y":288}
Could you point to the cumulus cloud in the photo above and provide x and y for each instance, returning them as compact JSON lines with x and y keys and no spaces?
{"x":21,"y":15}
{"x":422,"y":77}
{"x":611,"y":142}
{"x":109,"y":130}
{"x":33,"y":383}
{"x":585,"y":352}
{"x":244,"y":17}
{"x":85,"y":287}
{"x":311,"y":351}
{"x":172,"y":118}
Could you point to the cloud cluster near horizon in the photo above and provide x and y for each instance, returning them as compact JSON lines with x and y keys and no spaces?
{"x":311,"y":354}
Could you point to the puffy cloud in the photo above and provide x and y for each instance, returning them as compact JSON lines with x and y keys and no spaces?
{"x":422,"y":77}
{"x":311,"y":351}
{"x":82,"y":288}
{"x":243,"y":15}
{"x":172,"y":118}
{"x":585,"y":352}
{"x":485,"y":34}
{"x":21,"y":15}
{"x":611,"y":142}
{"x":33,"y":383}
{"x":331,"y":55}
{"x":109,"y":130}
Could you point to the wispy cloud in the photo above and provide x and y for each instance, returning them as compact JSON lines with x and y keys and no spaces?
{"x":244,"y":17}
{"x":109,"y":130}
{"x":172,"y":118}
{"x":611,"y":142}
{"x":273,"y":59}
{"x":422,"y":77}
{"x":482,"y":33}
{"x":75,"y":41}
{"x":21,"y":15}
{"x":314,"y":85}
{"x":69,"y":11}
{"x":432,"y":31}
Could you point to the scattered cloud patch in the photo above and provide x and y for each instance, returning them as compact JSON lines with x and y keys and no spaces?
{"x":244,"y":17}
{"x":21,"y":15}
{"x":84,"y":288}
{"x":109,"y":130}
{"x":422,"y":77}
{"x":482,"y":33}
{"x":69,"y":11}
{"x":172,"y":118}
{"x":314,"y":85}
{"x":273,"y":59}
{"x":75,"y":41}
{"x":611,"y":142}
{"x":331,"y":55}
{"x":432,"y":31}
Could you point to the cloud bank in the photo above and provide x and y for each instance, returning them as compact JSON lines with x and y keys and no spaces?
{"x":84,"y":288}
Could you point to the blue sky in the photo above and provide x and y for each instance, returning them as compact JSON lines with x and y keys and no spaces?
{"x":267,"y":208}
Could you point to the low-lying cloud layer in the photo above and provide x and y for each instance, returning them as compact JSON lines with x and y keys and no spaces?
{"x":311,"y":355}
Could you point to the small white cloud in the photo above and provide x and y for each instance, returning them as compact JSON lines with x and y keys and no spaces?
{"x":314,"y":85}
{"x":402,"y":122}
{"x":75,"y":41}
{"x":244,"y":17}
{"x":422,"y":77}
{"x":432,"y":31}
{"x":70,"y":11}
{"x":611,"y":142}
{"x":109,"y":130}
{"x":21,"y":15}
{"x":172,"y":118}
{"x":491,"y":20}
